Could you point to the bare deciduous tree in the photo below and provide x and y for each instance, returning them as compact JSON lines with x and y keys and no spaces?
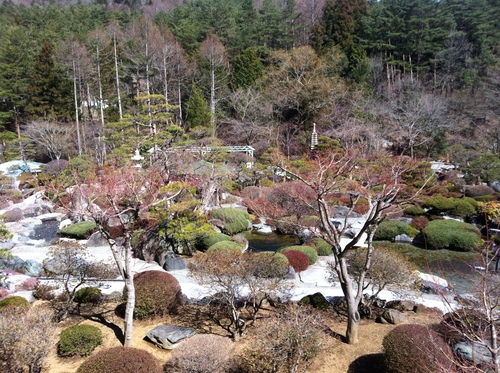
{"x":284,"y":343}
{"x":214,"y":52}
{"x":378,"y":183}
{"x":25,"y":339}
{"x":51,"y":138}
{"x":241,"y":282}
{"x":70,"y":266}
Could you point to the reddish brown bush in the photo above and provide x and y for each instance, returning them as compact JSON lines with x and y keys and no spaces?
{"x":416,"y":348}
{"x":28,"y":284}
{"x":419,"y":222}
{"x":477,"y":190}
{"x":297,"y":259}
{"x":121,"y":360}
{"x":3,"y":293}
{"x":202,"y":353}
{"x":156,"y":293}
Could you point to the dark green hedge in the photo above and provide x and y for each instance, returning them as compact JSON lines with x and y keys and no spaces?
{"x":79,"y":230}
{"x":451,"y":234}
{"x":79,"y":340}
{"x":235,"y":220}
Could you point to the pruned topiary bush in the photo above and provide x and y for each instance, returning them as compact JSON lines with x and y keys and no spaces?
{"x":322,"y":247}
{"x":460,"y":207}
{"x":310,"y":252}
{"x":121,"y":360}
{"x":79,"y":230}
{"x":414,"y":211}
{"x":209,"y":239}
{"x":14,"y":301}
{"x":225,"y":245}
{"x":88,"y":294}
{"x":416,"y":348}
{"x":269,"y":264}
{"x":79,"y":340}
{"x":297,"y":260}
{"x":451,"y":234}
{"x":156,"y":293}
{"x":389,"y":229}
{"x":235,"y":220}
{"x":201,"y":353}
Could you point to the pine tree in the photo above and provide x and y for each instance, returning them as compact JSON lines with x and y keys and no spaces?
{"x":51,"y":96}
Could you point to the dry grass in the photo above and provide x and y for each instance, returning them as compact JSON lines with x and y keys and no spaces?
{"x":337,"y":357}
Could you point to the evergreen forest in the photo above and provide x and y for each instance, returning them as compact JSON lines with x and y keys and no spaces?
{"x":99,"y":80}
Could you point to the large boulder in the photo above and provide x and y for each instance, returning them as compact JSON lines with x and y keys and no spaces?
{"x":474,"y":352}
{"x":96,"y":239}
{"x":392,"y":316}
{"x":166,"y":336}
{"x":172,"y":262}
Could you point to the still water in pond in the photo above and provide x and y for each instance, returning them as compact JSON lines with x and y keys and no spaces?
{"x":258,"y":242}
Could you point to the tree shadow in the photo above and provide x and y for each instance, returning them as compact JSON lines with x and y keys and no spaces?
{"x":100,"y":318}
{"x":372,"y":363}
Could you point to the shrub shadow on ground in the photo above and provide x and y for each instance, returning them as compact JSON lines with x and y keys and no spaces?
{"x":372,"y":363}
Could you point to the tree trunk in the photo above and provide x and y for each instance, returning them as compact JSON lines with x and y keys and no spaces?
{"x":129,"y":284}
{"x":352,"y":332}
{"x":117,"y":78}
{"x":75,"y":96}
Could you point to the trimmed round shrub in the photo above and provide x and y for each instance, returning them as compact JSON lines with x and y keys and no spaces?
{"x":235,"y":220}
{"x":460,"y":207}
{"x":451,"y":234}
{"x":322,"y":247}
{"x":120,"y":360}
{"x":269,"y":264}
{"x":310,"y":252}
{"x":297,"y":260}
{"x":389,"y":229}
{"x":225,"y":245}
{"x":79,"y":340}
{"x":14,"y":301}
{"x":88,"y":295}
{"x":416,"y":348}
{"x":202,"y":353}
{"x":463,"y":208}
{"x":157,"y":293}
{"x":208,"y":240}
{"x":414,"y":211}
{"x":79,"y":230}
{"x":419,"y":222}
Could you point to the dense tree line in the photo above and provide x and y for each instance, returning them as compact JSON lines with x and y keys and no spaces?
{"x":417,"y":77}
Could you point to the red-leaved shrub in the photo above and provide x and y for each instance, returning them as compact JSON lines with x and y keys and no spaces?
{"x":28,"y":284}
{"x":297,"y":259}
{"x":120,"y":360}
{"x":416,"y":348}
{"x":3,"y":293}
{"x":156,"y":293}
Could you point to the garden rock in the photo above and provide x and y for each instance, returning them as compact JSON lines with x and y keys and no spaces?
{"x":392,"y":316}
{"x":97,"y":240}
{"x":13,"y":215}
{"x":172,"y":262}
{"x":403,"y":238}
{"x":474,"y":352}
{"x":401,"y":305}
{"x":166,"y":336}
